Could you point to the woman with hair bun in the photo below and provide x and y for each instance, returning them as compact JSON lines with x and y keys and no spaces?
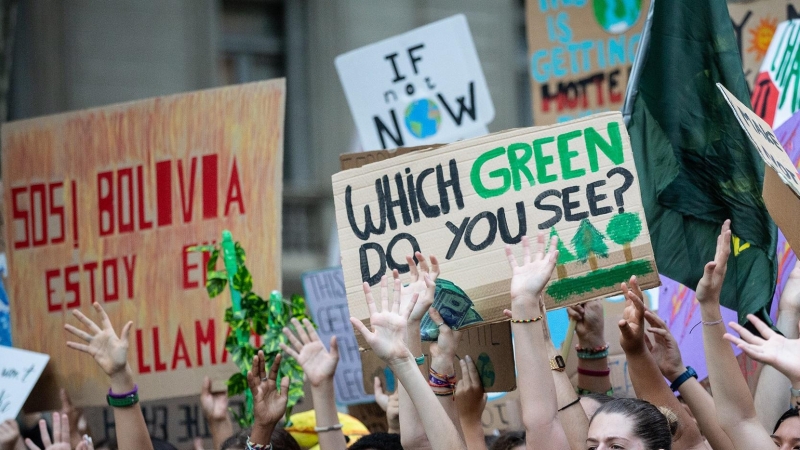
{"x":631,"y":424}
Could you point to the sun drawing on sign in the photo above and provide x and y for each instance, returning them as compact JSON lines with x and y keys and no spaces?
{"x":761,"y":36}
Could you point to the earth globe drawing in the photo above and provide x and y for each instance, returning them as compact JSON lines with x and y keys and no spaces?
{"x":423,"y":118}
{"x":617,"y":16}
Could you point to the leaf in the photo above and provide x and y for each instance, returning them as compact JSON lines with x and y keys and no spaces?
{"x":237,"y":384}
{"x":298,"y":307}
{"x":215,"y":286}
{"x":200,"y":248}
{"x":240,"y":255}
{"x":217,"y":275}
{"x":212,"y":261}
{"x":242,"y":281}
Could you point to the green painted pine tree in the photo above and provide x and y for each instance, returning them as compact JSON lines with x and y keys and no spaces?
{"x":623,"y":229}
{"x":589,"y":243}
{"x":564,"y":255}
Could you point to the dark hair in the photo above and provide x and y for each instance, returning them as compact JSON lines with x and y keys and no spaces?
{"x":599,"y":398}
{"x":378,"y":441}
{"x":656,"y":427}
{"x":792,"y":412}
{"x":509,"y":440}
{"x":281,"y":440}
{"x":158,"y":444}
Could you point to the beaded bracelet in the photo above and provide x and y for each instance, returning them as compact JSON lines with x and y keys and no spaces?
{"x":334,"y":427}
{"x":594,"y":373}
{"x":598,"y":349}
{"x":526,"y":320}
{"x":599,"y":355}
{"x":582,"y":391}
{"x":253,"y":446}
{"x":420,"y":359}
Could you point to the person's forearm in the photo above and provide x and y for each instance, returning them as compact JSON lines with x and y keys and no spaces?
{"x":649,"y":385}
{"x":412,"y":434}
{"x":570,"y":409}
{"x":702,"y":406}
{"x":441,"y":432}
{"x":129,"y":421}
{"x":599,"y":384}
{"x":536,"y":386}
{"x":444,"y":364}
{"x":327,"y":416}
{"x":473,"y":434}
{"x":772,"y":392}
{"x":220,"y":431}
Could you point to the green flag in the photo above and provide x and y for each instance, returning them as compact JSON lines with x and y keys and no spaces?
{"x":696,"y":166}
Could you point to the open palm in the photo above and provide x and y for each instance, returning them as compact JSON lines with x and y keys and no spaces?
{"x":528,"y":279}
{"x":310,"y":353}
{"x":388,"y":325}
{"x":109,"y":351}
{"x":632,"y":324}
{"x":269,"y":404}
{"x":774,"y":349}
{"x":710,"y":284}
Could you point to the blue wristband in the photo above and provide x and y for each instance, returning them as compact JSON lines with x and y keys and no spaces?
{"x":682,"y":379}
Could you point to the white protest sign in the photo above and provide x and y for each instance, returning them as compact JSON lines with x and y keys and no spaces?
{"x":327,"y":301}
{"x":776,"y":96}
{"x":19,"y":371}
{"x":422,"y":87}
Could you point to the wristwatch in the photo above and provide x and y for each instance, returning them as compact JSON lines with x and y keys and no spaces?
{"x":557,"y":363}
{"x":682,"y":379}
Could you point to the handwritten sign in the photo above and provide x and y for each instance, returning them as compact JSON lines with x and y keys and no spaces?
{"x":19,"y":371}
{"x":581,"y":53}
{"x":781,"y":182}
{"x":465,"y":201}
{"x":421,"y":87}
{"x":775,"y":97}
{"x":101,"y":206}
{"x":327,"y":302}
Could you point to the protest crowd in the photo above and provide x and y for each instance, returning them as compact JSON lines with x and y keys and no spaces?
{"x":438,"y":393}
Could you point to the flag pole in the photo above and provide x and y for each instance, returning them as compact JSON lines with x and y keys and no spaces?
{"x":638,"y":65}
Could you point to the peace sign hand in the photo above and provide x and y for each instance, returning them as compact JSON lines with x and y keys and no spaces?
{"x":109,"y":351}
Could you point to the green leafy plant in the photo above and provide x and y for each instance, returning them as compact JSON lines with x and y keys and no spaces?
{"x":250,"y":314}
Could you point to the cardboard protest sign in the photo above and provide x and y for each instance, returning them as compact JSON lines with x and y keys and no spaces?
{"x":490,"y":346}
{"x":775,"y":96}
{"x":464,"y":202}
{"x":503,"y":412}
{"x":101,"y":206}
{"x":754,"y":23}
{"x":580,"y":55}
{"x":781,"y":182}
{"x":327,"y":302}
{"x":19,"y":371}
{"x":421,"y":87}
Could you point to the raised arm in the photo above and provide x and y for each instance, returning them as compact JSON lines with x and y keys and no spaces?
{"x":470,"y":399}
{"x":319,"y":366}
{"x":537,"y":390}
{"x":443,"y":353}
{"x":110,"y":352}
{"x":643,"y":369}
{"x":666,"y":352}
{"x":215,"y":410}
{"x":593,"y":372}
{"x":772,"y":392}
{"x":60,"y":439}
{"x":390,"y":404}
{"x":736,"y":412}
{"x":269,"y":404}
{"x":387,"y":341}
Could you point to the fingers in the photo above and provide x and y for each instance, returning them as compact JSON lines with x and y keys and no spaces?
{"x":410,"y":307}
{"x":625,"y":329}
{"x":370,"y":300}
{"x":512,"y":260}
{"x":125,"y":334}
{"x":301,"y":332}
{"x":361,"y":328}
{"x":465,"y":381}
{"x":636,"y":289}
{"x":45,"y":435}
{"x":273,"y":371}
{"x":66,"y":404}
{"x":57,"y":428}
{"x":724,"y":249}
{"x":423,"y":264}
{"x":762,"y":328}
{"x":289,"y":351}
{"x":526,"y":254}
{"x":296,"y":344}
{"x":396,"y":300}
{"x":412,"y":267}
{"x":746,"y":335}
{"x":434,"y":267}
{"x":31,"y":446}
{"x":377,"y":388}
{"x":573,"y":314}
{"x":86,"y":321}
{"x":552,"y":252}
{"x":285,"y":389}
{"x":104,"y":320}
{"x":659,"y":331}
{"x":507,"y":313}
{"x":436,"y":317}
{"x":206,"y":386}
{"x":310,"y":330}
{"x":708,"y":270}
{"x":64,"y":427}
{"x":80,"y":347}
{"x":648,"y":343}
{"x":384,"y":294}
{"x":334,"y":347}
{"x":472,"y":370}
{"x":77,"y":332}
{"x":654,"y":320}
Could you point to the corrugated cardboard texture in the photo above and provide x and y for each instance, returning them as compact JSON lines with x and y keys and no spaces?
{"x":175,"y":171}
{"x":579,"y":60}
{"x":494,"y":340}
{"x":476,"y":262}
{"x":359,"y":159}
{"x":781,"y":182}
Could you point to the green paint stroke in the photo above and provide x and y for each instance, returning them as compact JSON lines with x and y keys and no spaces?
{"x":486,"y":370}
{"x":624,"y":228}
{"x":562,"y":290}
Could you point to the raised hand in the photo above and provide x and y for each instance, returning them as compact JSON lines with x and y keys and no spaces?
{"x":85,"y":445}
{"x":214,"y":404}
{"x":390,"y":404}
{"x":60,"y":434}
{"x":774,"y":349}
{"x":528,"y":279}
{"x":664,"y":347}
{"x":318,"y":364}
{"x":448,"y":339}
{"x":470,"y":396}
{"x":269,"y":404}
{"x":109,"y":351}
{"x":387,"y":337}
{"x":9,"y":434}
{"x":423,"y":283}
{"x":589,"y":323}
{"x":710,"y":286}
{"x":631,"y":325}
